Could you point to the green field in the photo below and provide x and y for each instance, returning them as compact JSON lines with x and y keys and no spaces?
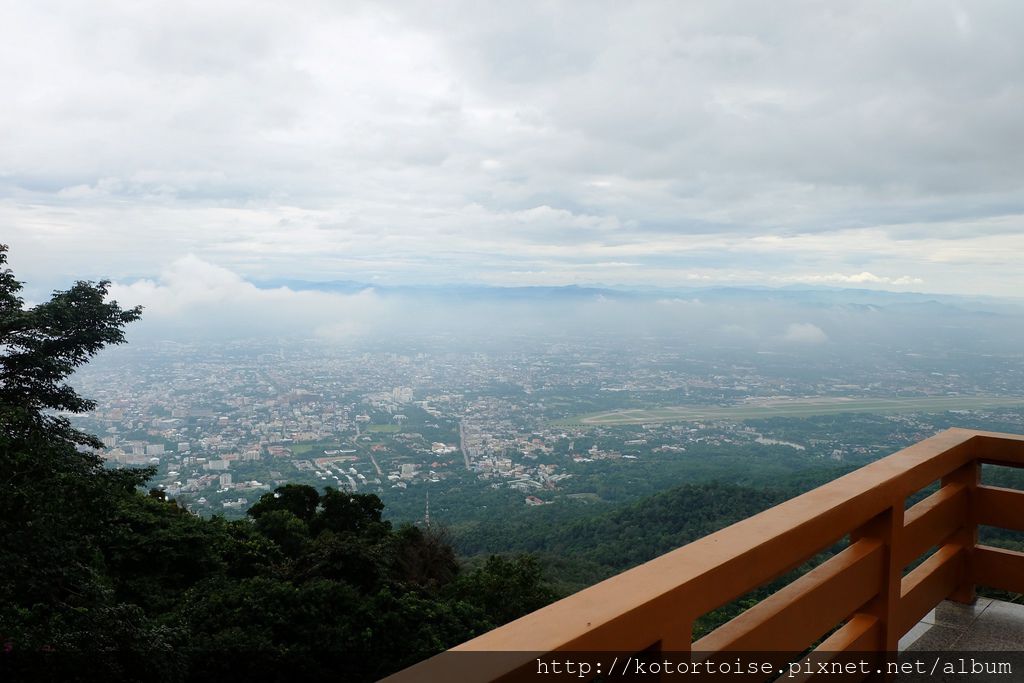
{"x":783,"y":407}
{"x":387,"y":429}
{"x":305,"y":447}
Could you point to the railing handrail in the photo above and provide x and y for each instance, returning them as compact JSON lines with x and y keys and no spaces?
{"x":656,"y":602}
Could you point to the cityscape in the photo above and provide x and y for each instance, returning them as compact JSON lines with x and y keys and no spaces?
{"x":225,"y":424}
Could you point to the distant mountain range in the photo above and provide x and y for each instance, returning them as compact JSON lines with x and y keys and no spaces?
{"x":820,"y":296}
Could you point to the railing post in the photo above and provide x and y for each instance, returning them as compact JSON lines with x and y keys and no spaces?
{"x":967,"y":535}
{"x":677,"y":637}
{"x":676,"y":640}
{"x":887,"y":528}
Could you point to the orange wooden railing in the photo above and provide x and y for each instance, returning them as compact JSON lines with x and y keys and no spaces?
{"x":862,"y":590}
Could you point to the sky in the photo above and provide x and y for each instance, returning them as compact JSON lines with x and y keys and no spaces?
{"x":868,"y":144}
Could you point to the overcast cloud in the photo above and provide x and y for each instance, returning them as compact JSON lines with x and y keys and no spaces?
{"x":864,"y":144}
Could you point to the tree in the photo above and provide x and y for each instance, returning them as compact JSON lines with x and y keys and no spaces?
{"x":41,"y":346}
{"x":425,"y":557}
{"x":56,"y":500}
{"x":298,"y":499}
{"x":503,"y":588}
{"x":356,"y":513}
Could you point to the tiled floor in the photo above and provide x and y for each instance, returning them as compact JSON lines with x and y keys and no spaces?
{"x":987,"y":625}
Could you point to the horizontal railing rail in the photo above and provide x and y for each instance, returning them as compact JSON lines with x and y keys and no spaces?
{"x":860,"y":599}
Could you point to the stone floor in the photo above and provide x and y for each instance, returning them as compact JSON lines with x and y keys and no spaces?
{"x":987,"y":625}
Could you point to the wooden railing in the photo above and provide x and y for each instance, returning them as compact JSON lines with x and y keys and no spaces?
{"x":862,"y":590}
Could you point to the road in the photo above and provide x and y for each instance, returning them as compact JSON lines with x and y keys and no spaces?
{"x":462,"y":444}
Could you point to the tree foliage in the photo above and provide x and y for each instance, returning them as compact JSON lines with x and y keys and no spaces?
{"x":42,"y":346}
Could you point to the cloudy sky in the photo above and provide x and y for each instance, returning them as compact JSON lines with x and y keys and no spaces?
{"x":868,"y":144}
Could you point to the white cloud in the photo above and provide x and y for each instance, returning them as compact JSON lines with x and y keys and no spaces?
{"x":424,"y":143}
{"x":805,"y":333}
{"x":855,"y":279}
{"x":211,"y":299}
